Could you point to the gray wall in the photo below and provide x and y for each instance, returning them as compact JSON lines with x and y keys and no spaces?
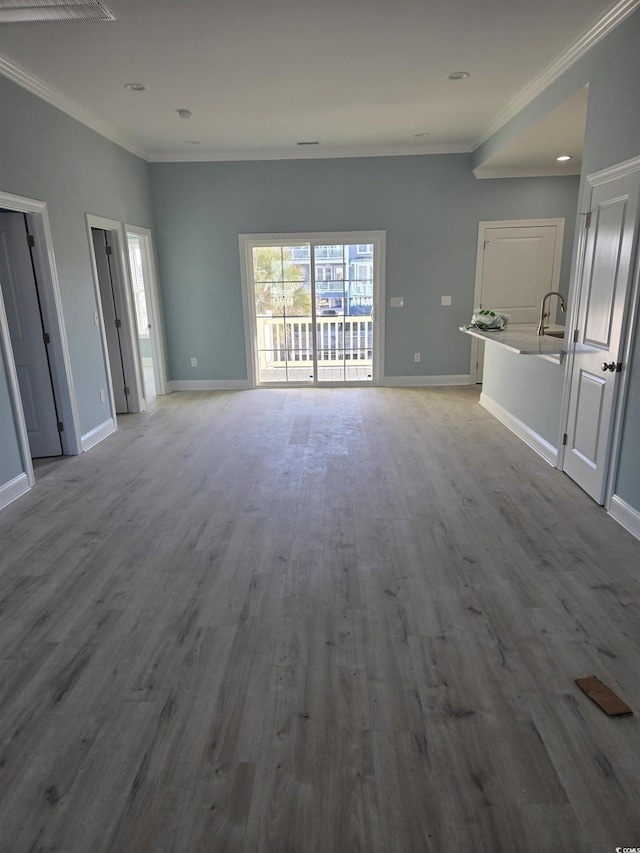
{"x":46,"y":155}
{"x":430,"y":207}
{"x":612,"y":135}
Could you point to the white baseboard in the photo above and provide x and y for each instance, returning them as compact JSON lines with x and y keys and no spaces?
{"x":625,"y":515}
{"x":14,"y":489}
{"x":425,"y":381}
{"x":208,"y":385}
{"x":91,"y":438}
{"x":536,"y":442}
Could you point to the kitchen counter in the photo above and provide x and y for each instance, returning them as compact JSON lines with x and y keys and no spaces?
{"x":523,"y":339}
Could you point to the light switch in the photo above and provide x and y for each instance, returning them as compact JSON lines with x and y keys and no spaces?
{"x":446,"y":300}
{"x":397,"y":301}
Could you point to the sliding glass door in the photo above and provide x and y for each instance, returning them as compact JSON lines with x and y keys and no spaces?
{"x":313,"y":307}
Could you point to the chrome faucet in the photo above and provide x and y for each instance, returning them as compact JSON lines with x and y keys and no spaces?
{"x":563,"y":308}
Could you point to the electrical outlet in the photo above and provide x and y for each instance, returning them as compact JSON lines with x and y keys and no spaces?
{"x":416,"y":356}
{"x":96,"y":319}
{"x":194,"y":362}
{"x":446,"y":300}
{"x":103,"y":396}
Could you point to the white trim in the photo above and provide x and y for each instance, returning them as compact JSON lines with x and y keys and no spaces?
{"x":425,"y":381}
{"x":612,"y":173}
{"x":551,"y":171}
{"x":97,"y":434}
{"x":14,"y":489}
{"x":123,"y":296}
{"x":154,"y":307}
{"x":625,"y":515}
{"x":608,"y":22}
{"x":209,"y":385}
{"x":42,"y":89}
{"x":49,"y":289}
{"x":14,"y":392}
{"x":603,"y":26}
{"x":629,"y":332}
{"x":535,"y":441}
{"x":511,"y":223}
{"x":311,"y":153}
{"x":248,"y":241}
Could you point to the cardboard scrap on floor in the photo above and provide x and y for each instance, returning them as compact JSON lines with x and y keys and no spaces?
{"x":603,"y":696}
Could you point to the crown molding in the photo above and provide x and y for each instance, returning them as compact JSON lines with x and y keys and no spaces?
{"x":38,"y":87}
{"x":307,"y":154}
{"x":603,"y":26}
{"x":492,"y":172}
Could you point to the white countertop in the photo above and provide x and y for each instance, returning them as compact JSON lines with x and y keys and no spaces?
{"x":523,"y":339}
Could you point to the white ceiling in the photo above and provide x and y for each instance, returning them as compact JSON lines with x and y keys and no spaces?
{"x":361,"y":77}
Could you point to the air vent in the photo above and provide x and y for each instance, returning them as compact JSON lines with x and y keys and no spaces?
{"x":38,"y":11}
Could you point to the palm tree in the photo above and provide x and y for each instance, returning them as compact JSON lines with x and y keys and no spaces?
{"x":279,"y":283}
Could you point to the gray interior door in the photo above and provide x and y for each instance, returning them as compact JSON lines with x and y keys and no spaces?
{"x":29,"y":340}
{"x":112,"y":323}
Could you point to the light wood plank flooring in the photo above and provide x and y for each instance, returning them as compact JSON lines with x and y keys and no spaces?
{"x":315,"y":621}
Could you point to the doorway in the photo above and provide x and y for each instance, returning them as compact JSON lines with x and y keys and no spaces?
{"x":115,"y":315}
{"x":311,"y":302}
{"x":147,"y":310}
{"x":25,"y":321}
{"x":33,"y":336}
{"x":606,"y":296}
{"x":103,"y":253}
{"x":518,"y":262}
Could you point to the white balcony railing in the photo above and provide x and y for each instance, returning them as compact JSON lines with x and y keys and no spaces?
{"x":337,"y":341}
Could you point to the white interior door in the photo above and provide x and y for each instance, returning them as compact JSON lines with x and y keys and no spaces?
{"x":517,"y":264}
{"x":20,"y":294}
{"x":603,"y":295}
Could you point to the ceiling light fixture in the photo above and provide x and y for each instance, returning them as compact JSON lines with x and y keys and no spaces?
{"x":135,"y":87}
{"x":308,"y":143}
{"x":563,"y":157}
{"x":184,"y":113}
{"x":421,"y":134}
{"x":458,"y":75}
{"x":191,"y":142}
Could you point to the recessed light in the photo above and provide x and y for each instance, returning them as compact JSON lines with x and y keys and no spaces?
{"x":135,"y":87}
{"x":458,"y":75}
{"x":184,"y":113}
{"x":563,"y":157}
{"x":421,"y":134}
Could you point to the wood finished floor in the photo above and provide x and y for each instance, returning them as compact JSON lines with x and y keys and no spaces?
{"x":315,"y":621}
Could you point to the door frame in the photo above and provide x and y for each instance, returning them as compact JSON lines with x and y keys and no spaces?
{"x":628,"y":328}
{"x":51,"y":303}
{"x":122,"y":292}
{"x":483,"y":227}
{"x":18,"y":413}
{"x":154,"y":308}
{"x":377,"y":238}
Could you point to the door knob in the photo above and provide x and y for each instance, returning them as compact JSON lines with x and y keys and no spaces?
{"x":612,"y":366}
